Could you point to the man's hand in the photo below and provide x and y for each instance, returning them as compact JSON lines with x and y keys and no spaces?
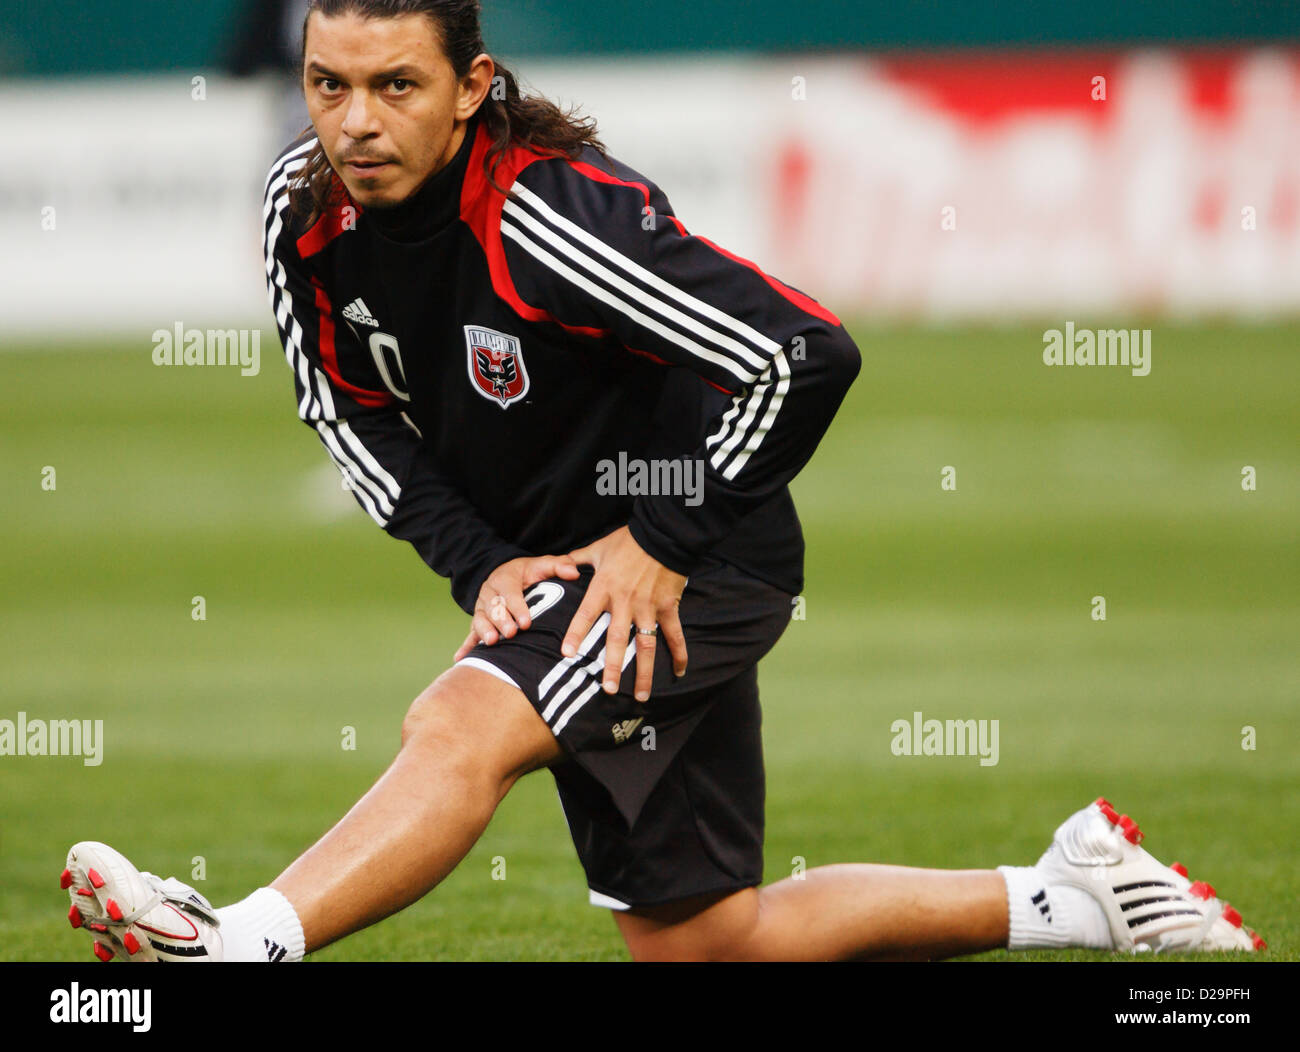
{"x":500,"y":610}
{"x":637,"y":590}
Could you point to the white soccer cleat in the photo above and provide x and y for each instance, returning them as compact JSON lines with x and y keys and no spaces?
{"x":141,"y":917}
{"x":1151,"y":907}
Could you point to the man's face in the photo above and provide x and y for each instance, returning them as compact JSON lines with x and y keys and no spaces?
{"x":385,"y":102}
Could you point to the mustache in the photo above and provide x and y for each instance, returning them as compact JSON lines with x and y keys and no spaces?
{"x":364,"y":158}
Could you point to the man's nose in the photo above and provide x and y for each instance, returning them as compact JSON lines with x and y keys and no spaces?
{"x":362,"y":121}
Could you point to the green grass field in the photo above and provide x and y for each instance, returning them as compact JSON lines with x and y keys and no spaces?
{"x":223,"y":737}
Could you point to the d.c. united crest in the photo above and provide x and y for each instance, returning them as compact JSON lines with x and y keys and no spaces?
{"x":496,"y":365}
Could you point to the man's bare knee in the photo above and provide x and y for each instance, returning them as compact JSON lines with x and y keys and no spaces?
{"x":471,"y":719}
{"x":716,"y":927}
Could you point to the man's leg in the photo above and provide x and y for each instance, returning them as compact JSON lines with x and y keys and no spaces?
{"x":465,"y":741}
{"x":1094,"y":888}
{"x":831,"y":913}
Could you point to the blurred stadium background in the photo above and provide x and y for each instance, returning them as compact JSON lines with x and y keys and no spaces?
{"x":951,"y":180}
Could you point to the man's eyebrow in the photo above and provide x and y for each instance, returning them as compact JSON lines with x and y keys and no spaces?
{"x":399,"y":73}
{"x":404,"y":72}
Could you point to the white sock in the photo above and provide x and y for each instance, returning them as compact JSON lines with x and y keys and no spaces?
{"x":262,"y":927}
{"x":1045,"y":915}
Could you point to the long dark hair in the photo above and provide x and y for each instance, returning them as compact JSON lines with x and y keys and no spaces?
{"x":509,"y":116}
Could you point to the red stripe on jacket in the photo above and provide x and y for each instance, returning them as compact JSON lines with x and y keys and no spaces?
{"x":329,"y":357}
{"x":480,"y":209}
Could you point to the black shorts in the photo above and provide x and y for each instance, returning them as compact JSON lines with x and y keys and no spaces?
{"x":664,"y":798}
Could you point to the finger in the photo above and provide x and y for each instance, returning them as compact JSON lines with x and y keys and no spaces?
{"x":471,"y":641}
{"x":498,"y":612}
{"x":616,"y":641}
{"x":482,"y":625}
{"x":592,"y":606}
{"x":545,"y":568}
{"x":645,"y":661}
{"x":566,"y":567}
{"x":519,"y":610}
{"x":583,"y":555}
{"x":670,"y":627}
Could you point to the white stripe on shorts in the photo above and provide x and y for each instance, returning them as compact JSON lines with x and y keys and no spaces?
{"x":490,"y":669}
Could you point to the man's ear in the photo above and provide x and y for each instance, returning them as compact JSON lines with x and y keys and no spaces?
{"x":474,"y":86}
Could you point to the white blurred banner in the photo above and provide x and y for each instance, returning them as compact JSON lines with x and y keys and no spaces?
{"x":978,"y":185}
{"x":939,"y":186}
{"x":129,"y":205}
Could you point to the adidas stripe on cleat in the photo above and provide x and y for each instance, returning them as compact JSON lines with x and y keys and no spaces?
{"x":138,"y":917}
{"x":1151,"y":907}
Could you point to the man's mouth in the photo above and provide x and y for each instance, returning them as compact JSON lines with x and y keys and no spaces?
{"x":367,"y":168}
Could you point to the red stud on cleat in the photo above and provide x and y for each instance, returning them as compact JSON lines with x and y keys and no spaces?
{"x":103,"y":952}
{"x":131,"y":943}
{"x":1111,"y":816}
{"x":1202,"y":890}
{"x":1258,"y":942}
{"x":65,"y":879}
{"x":97,"y":927}
{"x":1232,"y":916}
{"x":114,"y":910}
{"x":1179,"y":868}
{"x":1103,"y":803}
{"x":74,"y":916}
{"x":1131,"y":831}
{"x":95,"y":878}
{"x":85,"y":891}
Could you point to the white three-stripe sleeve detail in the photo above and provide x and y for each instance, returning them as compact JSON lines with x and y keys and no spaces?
{"x":774,"y":407}
{"x":365,"y":498}
{"x":634,"y":292}
{"x":652,"y":279}
{"x":324,"y":393}
{"x":279,"y":204}
{"x":290,"y":327}
{"x":671,"y":335}
{"x":360,"y":480}
{"x":309,"y":407}
{"x":357,"y":456}
{"x":740,"y":426}
{"x":279,"y":165}
{"x":744,"y":431}
{"x":376,"y":469}
{"x":727,"y":418}
{"x":280,"y":183}
{"x":378,"y":482}
{"x":374,"y":485}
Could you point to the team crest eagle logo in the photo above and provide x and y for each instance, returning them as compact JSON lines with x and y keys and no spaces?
{"x":496,"y":365}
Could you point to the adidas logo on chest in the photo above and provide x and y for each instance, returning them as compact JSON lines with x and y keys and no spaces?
{"x":358,"y":312}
